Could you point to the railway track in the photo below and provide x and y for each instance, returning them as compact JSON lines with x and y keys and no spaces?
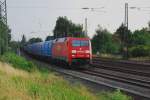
{"x":122,"y":77}
{"x":110,"y":66}
{"x":136,"y":75}
{"x":114,"y":76}
{"x":123,"y":70}
{"x":145,"y":64}
{"x":142,"y":69}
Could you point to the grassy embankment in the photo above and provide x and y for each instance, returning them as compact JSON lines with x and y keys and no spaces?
{"x":24,"y":81}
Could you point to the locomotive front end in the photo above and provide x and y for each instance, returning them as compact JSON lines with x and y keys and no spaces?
{"x":80,"y":50}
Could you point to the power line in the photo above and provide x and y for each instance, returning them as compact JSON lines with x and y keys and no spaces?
{"x":145,"y":10}
{"x":140,"y":8}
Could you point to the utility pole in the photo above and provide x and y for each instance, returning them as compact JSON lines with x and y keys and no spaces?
{"x":3,"y":18}
{"x":3,"y":11}
{"x":125,"y":44}
{"x":126,"y":15}
{"x":0,"y":26}
{"x":86,"y":31}
{"x":91,"y":9}
{"x":0,"y":13}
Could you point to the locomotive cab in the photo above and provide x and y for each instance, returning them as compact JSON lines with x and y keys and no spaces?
{"x":80,"y":50}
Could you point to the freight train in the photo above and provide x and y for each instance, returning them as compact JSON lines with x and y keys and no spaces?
{"x":69,"y":50}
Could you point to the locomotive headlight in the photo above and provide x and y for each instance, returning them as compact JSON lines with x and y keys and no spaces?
{"x":87,"y":51}
{"x":73,"y":55}
{"x":74,"y":51}
{"x":87,"y":55}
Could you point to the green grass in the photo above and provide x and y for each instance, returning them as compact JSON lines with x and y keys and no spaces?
{"x":17,"y":61}
{"x":116,"y":95}
{"x":20,"y":83}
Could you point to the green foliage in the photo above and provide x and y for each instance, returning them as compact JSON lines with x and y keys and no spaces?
{"x":23,"y":41}
{"x":102,"y":42}
{"x":34,"y":90}
{"x":5,"y":37}
{"x":18,"y":61}
{"x":141,"y":37}
{"x":139,"y":51}
{"x":14,"y":46}
{"x":149,"y":25}
{"x":34,"y":40}
{"x":140,"y":46}
{"x":124,"y":35}
{"x":116,"y":95}
{"x":65,"y":27}
{"x":49,"y":38}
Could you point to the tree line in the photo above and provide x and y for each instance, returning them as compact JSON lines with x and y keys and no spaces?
{"x":122,"y":42}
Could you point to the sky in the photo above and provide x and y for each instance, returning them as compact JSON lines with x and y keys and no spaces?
{"x":37,"y":18}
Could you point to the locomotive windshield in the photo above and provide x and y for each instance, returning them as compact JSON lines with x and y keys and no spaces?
{"x":77,"y":43}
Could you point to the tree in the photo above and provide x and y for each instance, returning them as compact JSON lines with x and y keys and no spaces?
{"x":140,"y":46}
{"x":125,"y":38}
{"x":102,"y":42}
{"x":23,"y":41}
{"x":5,"y":37}
{"x":14,"y":46}
{"x":141,"y":37}
{"x":49,"y":38}
{"x":9,"y":37}
{"x":149,"y":26}
{"x":34,"y":40}
{"x":65,"y":27}
{"x":124,"y":35}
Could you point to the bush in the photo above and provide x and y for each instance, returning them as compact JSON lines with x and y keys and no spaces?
{"x":116,"y":95}
{"x":139,"y":51}
{"x":18,"y":61}
{"x":103,"y":42}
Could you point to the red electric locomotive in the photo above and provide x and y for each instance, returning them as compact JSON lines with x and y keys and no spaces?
{"x":72,"y":50}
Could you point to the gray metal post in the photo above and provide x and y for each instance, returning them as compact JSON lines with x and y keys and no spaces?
{"x":86,"y":31}
{"x":3,"y":18}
